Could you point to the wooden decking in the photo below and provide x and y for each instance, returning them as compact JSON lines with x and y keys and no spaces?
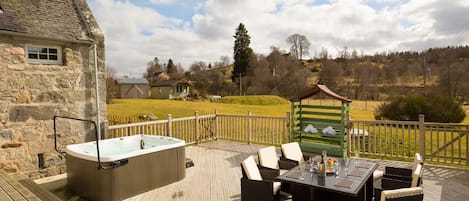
{"x":216,"y":176}
{"x":11,"y":189}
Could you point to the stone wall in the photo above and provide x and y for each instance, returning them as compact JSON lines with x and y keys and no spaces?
{"x":31,"y":94}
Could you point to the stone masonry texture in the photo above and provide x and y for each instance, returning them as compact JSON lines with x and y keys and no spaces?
{"x":31,"y":94}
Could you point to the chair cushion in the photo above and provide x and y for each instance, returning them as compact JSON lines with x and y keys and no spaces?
{"x":402,"y":192}
{"x":292,"y":151}
{"x":377,"y":174}
{"x":251,"y":170}
{"x":417,"y":160}
{"x":268,"y":157}
{"x":282,"y":171}
{"x":276,"y":187}
{"x":416,"y":175}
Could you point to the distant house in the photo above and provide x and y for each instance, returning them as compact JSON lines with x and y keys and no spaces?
{"x":170,"y":89}
{"x":133,"y":88}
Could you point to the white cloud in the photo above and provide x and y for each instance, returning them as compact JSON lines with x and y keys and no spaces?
{"x":135,"y":35}
{"x":162,"y":1}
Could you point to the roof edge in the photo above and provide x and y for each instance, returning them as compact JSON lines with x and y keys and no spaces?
{"x":320,"y":88}
{"x":28,"y":35}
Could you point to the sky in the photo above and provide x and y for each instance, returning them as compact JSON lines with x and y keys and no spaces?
{"x":188,"y":31}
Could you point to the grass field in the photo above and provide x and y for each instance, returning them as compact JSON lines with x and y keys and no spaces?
{"x":360,"y":110}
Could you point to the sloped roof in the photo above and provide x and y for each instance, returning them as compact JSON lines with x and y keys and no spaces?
{"x":321,"y":88}
{"x":170,"y":83}
{"x":132,"y":81}
{"x":57,"y":19}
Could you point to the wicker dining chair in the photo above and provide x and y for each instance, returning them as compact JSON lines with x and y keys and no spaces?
{"x":254,"y":187}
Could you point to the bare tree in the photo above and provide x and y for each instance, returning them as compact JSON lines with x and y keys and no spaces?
{"x":299,"y":45}
{"x":324,"y":54}
{"x":112,"y":89}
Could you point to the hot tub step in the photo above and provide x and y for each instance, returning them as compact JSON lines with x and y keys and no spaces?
{"x":189,"y":163}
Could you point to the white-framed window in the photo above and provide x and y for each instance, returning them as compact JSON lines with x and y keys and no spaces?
{"x":44,"y":54}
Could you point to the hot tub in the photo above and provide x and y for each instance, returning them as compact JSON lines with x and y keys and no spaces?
{"x":126,"y":169}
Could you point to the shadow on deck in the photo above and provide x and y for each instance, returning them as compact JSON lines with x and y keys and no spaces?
{"x":216,"y":176}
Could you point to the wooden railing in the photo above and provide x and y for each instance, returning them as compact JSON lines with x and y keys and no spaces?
{"x":196,"y":129}
{"x":437,"y":142}
{"x":253,"y":129}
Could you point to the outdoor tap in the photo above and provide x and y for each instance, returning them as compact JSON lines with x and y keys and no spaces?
{"x":142,"y":143}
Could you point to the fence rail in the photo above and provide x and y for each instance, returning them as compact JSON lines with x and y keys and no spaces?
{"x":244,"y":128}
{"x":437,"y":142}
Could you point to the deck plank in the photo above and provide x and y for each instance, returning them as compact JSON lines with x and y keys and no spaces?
{"x":11,"y":189}
{"x":217,"y":172}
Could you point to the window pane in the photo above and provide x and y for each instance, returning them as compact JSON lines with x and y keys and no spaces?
{"x":32,"y":50}
{"x":32,"y":56}
{"x":42,"y":56}
{"x":43,"y":50}
{"x":52,"y":51}
{"x":53,"y":57}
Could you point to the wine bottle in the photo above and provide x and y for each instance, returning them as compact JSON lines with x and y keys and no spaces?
{"x":321,"y":167}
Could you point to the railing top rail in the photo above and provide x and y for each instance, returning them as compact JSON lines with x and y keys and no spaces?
{"x":191,"y":118}
{"x":445,"y":124}
{"x":408,"y":123}
{"x":385,"y":122}
{"x":157,"y":122}
{"x":137,"y":124}
{"x":244,"y":115}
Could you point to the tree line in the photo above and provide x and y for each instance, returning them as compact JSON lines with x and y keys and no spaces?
{"x":351,"y":74}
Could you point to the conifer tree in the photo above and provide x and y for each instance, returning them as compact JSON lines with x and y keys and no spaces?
{"x":241,"y":51}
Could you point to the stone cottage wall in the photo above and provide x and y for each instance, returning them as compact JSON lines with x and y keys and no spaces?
{"x":31,"y":94}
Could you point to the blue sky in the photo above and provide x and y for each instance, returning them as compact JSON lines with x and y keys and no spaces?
{"x":187,"y":31}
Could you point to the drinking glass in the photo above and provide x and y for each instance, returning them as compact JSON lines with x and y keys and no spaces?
{"x":337,"y":170}
{"x":302,"y":170}
{"x":356,"y":154}
{"x":311,"y":164}
{"x":346,"y":164}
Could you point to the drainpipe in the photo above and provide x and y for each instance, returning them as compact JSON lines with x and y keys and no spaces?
{"x":98,"y":121}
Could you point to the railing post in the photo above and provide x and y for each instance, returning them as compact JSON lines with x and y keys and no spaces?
{"x":287,"y":120}
{"x":196,"y":127}
{"x":422,"y":135}
{"x":249,"y":127}
{"x":348,"y":127}
{"x":216,"y":124}
{"x":169,"y":126}
{"x":105,"y":130}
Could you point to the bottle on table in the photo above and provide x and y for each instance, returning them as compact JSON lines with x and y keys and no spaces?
{"x":322,"y":167}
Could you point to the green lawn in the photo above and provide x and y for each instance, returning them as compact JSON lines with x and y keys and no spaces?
{"x":360,"y":110}
{"x":161,"y":108}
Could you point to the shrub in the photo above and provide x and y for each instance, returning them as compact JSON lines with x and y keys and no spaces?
{"x":435,"y":108}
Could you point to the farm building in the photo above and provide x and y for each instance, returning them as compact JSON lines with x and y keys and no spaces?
{"x":170,"y":89}
{"x":47,"y":64}
{"x":133,"y":88}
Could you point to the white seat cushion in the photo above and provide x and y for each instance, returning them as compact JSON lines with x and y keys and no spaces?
{"x":292,"y":151}
{"x":400,"y":192}
{"x":417,"y":160}
{"x":268,"y":157}
{"x":276,"y":187}
{"x":251,"y":170}
{"x":282,"y":171}
{"x":378,"y":174}
{"x":416,"y":175}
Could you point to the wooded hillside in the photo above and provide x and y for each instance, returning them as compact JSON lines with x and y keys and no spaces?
{"x":436,"y":71}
